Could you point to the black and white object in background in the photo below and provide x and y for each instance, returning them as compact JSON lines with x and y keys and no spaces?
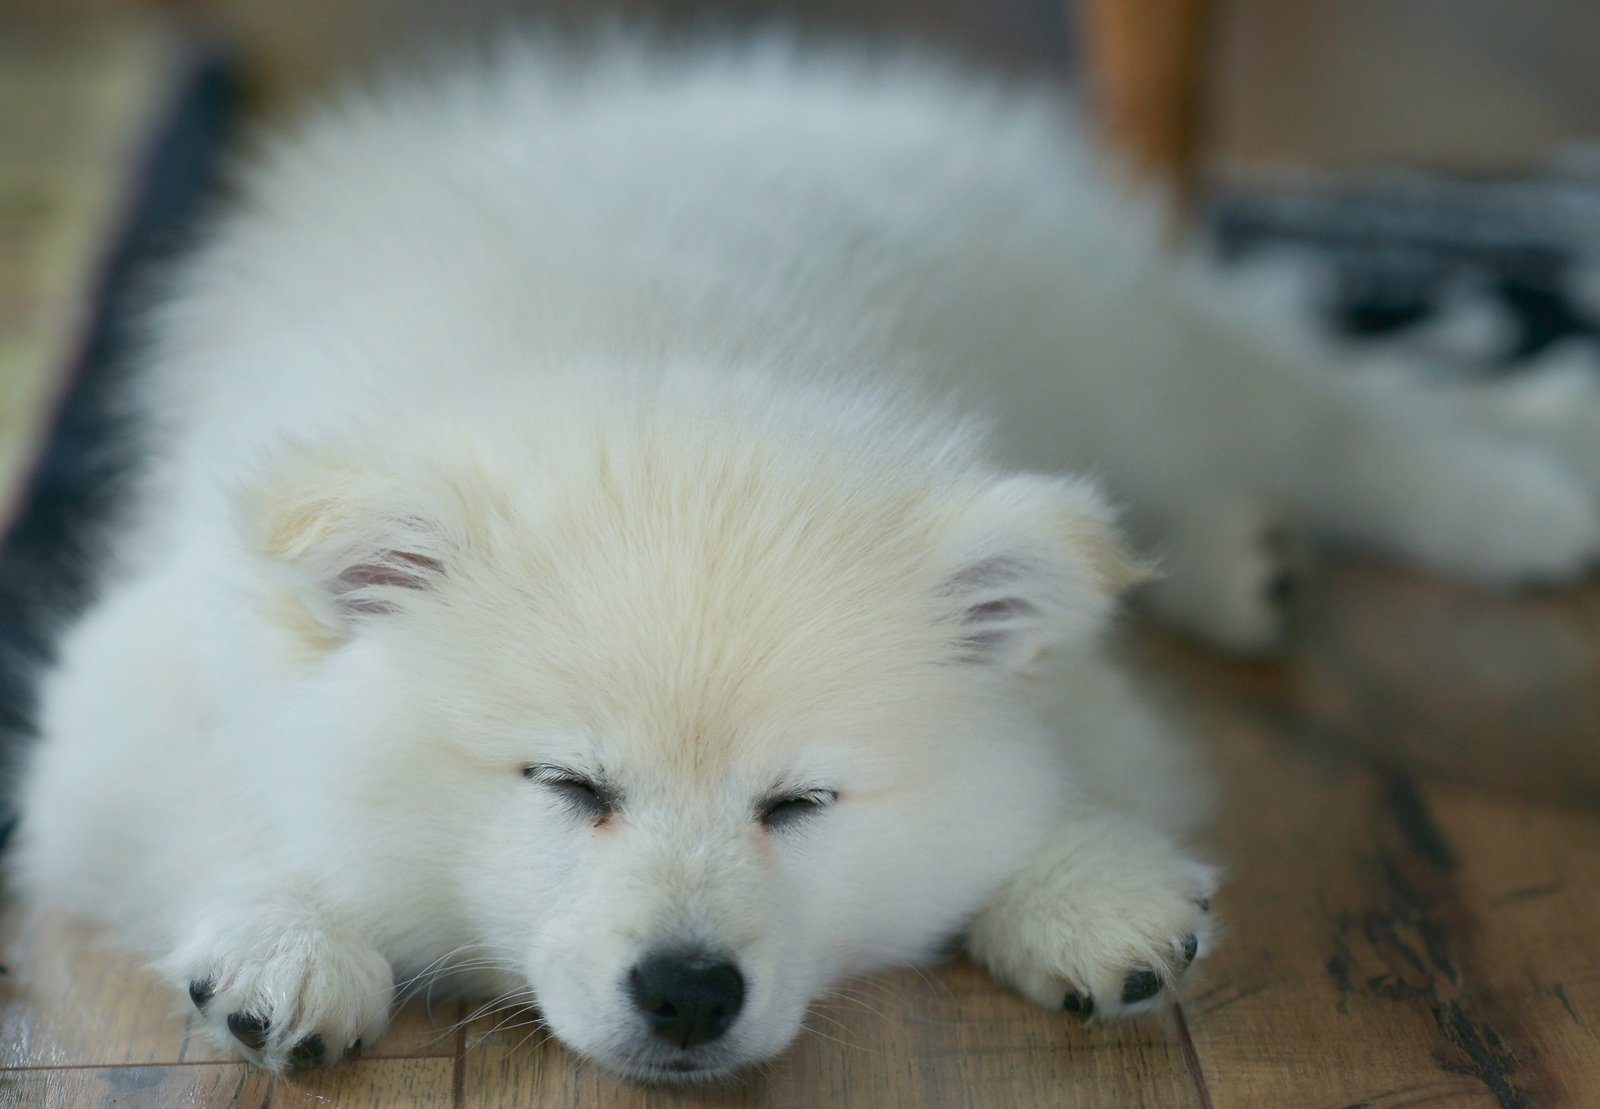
{"x":1474,"y":277}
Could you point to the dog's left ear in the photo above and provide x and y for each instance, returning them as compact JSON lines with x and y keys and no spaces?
{"x":1036,"y":562}
{"x":348,"y":537}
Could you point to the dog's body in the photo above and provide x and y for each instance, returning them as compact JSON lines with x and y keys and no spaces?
{"x":538,"y":578}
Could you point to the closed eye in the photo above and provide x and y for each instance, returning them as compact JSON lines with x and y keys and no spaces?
{"x":585,"y":796}
{"x":790,"y":810}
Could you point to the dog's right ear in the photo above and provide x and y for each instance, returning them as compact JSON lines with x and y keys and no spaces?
{"x":1034,"y":562}
{"x":346,"y":538}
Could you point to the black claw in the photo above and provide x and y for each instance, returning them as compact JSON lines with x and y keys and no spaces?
{"x":309,"y":1052}
{"x":201,"y":990}
{"x":1079,"y":1003}
{"x":1191,"y":948}
{"x":1205,"y":904}
{"x":249,"y":1029}
{"x":1141,"y":985}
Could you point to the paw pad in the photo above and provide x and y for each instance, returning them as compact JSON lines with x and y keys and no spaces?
{"x":1139,"y":986}
{"x":201,"y":990}
{"x":1079,"y":1003}
{"x":249,"y":1029}
{"x":309,"y":1052}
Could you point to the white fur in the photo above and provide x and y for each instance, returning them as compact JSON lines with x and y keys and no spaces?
{"x":552,"y":411}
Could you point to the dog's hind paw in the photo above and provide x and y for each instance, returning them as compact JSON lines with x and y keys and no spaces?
{"x":1232,"y":574}
{"x":285,"y":995}
{"x":1102,"y":930}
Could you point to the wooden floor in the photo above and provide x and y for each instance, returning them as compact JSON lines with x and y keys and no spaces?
{"x":1413,"y":918}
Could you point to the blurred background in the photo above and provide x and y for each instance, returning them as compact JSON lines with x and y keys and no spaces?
{"x":1470,"y":85}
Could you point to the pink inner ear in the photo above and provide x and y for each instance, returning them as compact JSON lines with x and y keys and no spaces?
{"x":993,"y":613}
{"x":994,"y":625}
{"x":353,"y":588}
{"x":1005,"y":608}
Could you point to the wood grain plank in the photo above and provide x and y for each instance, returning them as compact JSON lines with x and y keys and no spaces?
{"x":154,"y":1087}
{"x":1459,"y":683}
{"x":1370,"y":961}
{"x":1531,"y":874}
{"x":392,"y":1084}
{"x":70,"y":999}
{"x":1303,"y":1004}
{"x":942,"y":1037}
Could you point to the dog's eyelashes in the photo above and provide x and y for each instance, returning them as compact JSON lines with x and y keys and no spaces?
{"x":584,"y":795}
{"x":787,"y":812}
{"x":595,"y":800}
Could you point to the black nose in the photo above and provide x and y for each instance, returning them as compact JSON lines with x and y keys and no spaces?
{"x":687,"y":997}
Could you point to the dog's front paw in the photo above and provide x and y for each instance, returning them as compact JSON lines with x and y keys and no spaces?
{"x":286,"y":995}
{"x":1100,"y":929}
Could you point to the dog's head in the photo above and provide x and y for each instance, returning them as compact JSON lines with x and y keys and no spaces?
{"x":678,"y":719}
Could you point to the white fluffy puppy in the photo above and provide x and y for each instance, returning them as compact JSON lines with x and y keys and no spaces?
{"x":543,"y":578}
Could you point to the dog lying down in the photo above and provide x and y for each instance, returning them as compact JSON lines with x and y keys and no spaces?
{"x":555,"y":578}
